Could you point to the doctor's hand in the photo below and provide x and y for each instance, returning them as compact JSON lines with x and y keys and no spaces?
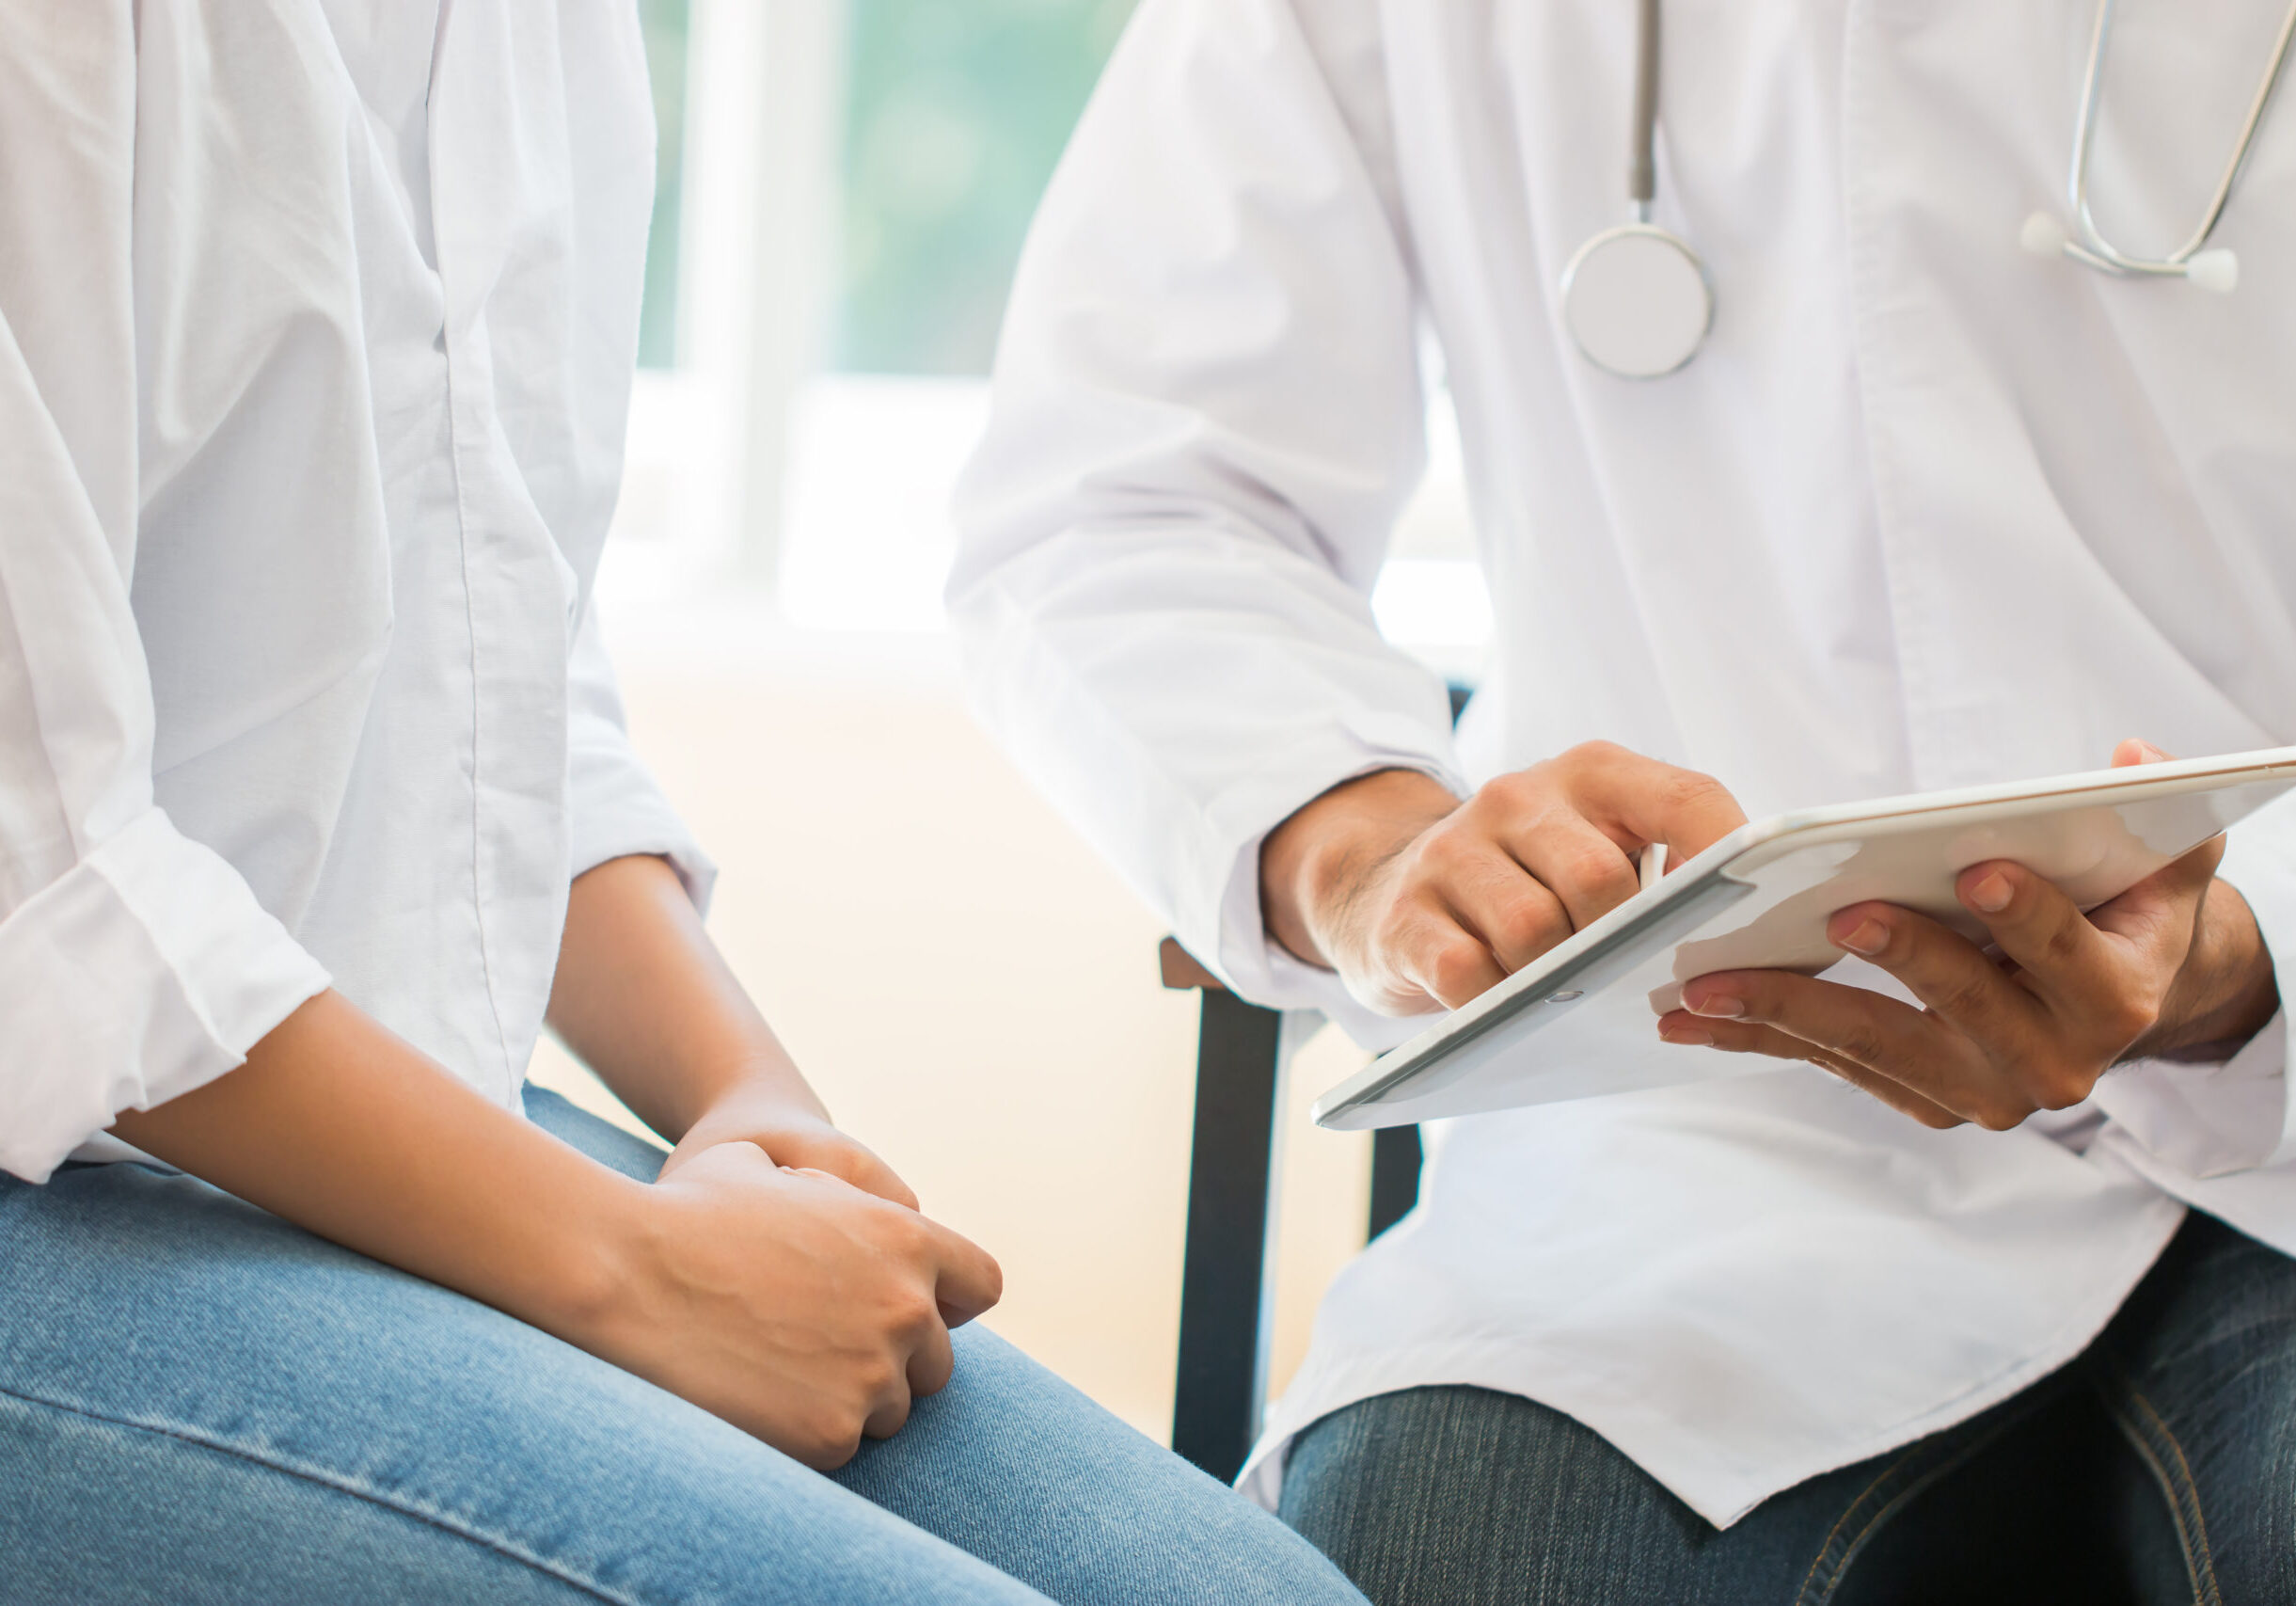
{"x":2173,"y":967}
{"x":1418,"y":899}
{"x":788,"y":1302}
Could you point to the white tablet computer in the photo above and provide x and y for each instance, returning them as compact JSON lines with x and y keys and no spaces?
{"x":1580,"y":1020}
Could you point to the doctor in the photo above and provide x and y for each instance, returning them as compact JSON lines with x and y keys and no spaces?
{"x":1922,"y":497}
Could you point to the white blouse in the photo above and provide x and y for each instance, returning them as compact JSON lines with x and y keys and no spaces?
{"x":317,"y":320}
{"x":1926,"y":511}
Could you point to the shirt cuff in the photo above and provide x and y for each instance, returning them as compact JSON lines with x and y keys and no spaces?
{"x":1230,"y":935}
{"x":2207,"y":1120}
{"x":145,"y":971}
{"x":618,"y":811}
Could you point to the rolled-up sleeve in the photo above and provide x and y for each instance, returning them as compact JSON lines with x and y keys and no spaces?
{"x":1207,"y":413}
{"x":135,"y":964}
{"x":2222,"y":1135}
{"x":617,"y":809}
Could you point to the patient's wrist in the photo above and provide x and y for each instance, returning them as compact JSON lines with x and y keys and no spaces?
{"x":580,"y":1288}
{"x":762,"y":1092}
{"x":741,"y":1080}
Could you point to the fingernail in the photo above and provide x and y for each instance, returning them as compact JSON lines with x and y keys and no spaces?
{"x":1688,"y":1037}
{"x":2152,"y":753}
{"x":1991,"y":894}
{"x":1870,"y":937}
{"x":1720,"y":1006}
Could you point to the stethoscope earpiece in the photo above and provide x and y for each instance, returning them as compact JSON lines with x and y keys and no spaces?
{"x":2215,"y":269}
{"x":2045,"y":234}
{"x":2218,"y":270}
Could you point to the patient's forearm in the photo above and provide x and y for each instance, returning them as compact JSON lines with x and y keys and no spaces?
{"x":799,"y":1308}
{"x":349,"y":1132}
{"x":643,"y":998}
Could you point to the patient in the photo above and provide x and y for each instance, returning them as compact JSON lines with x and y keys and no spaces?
{"x":316,"y":330}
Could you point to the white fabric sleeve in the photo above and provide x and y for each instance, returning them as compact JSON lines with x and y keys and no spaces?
{"x":135,"y":964}
{"x":1207,"y":413}
{"x":2213,"y":1121}
{"x":616,"y":808}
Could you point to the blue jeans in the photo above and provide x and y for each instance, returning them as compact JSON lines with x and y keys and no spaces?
{"x":200,"y":1403}
{"x":2160,"y":1467}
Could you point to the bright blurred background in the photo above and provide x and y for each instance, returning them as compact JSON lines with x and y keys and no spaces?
{"x":844,"y":185}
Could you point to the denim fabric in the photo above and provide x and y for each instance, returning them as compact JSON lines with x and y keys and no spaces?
{"x":2160,"y":1467}
{"x":199,"y":1403}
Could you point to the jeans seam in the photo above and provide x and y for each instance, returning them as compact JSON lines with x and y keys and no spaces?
{"x":339,"y":1486}
{"x":1823,"y":1551}
{"x":2182,"y":1492}
{"x":1889,"y":1508}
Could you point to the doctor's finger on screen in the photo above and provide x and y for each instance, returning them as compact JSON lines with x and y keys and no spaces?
{"x":1417,"y":898}
{"x":2175,"y":964}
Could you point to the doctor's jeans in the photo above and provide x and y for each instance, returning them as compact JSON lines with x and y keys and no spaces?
{"x":200,"y":1403}
{"x":2160,"y":1467}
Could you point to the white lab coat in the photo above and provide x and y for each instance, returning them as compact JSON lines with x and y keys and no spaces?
{"x":317,"y":319}
{"x":1926,"y":512}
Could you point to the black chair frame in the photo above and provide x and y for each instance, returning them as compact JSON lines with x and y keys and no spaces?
{"x":1225,"y":1282}
{"x":1225,"y":1287}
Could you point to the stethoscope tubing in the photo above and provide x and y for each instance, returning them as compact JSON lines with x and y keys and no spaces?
{"x":1642,"y":170}
{"x":2092,"y":246}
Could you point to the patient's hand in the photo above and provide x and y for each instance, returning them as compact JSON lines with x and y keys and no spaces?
{"x":1416,"y":898}
{"x":791,"y":1304}
{"x":2173,"y":966}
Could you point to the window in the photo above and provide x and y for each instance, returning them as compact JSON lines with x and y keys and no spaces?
{"x":843,"y":190}
{"x":954,"y":116}
{"x":955,"y":113}
{"x":667,"y":24}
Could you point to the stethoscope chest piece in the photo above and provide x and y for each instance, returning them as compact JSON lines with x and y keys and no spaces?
{"x":1636,"y":298}
{"x":1637,"y":301}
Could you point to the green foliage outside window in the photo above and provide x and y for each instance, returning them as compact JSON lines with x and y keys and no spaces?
{"x":957,"y":111}
{"x":665,"y":26}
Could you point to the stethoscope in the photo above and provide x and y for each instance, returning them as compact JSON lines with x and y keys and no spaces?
{"x":2218,"y":270}
{"x":1637,"y":300}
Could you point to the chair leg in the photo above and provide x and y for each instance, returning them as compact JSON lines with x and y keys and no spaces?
{"x":1223,"y":1273}
{"x":1395,"y":1175}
